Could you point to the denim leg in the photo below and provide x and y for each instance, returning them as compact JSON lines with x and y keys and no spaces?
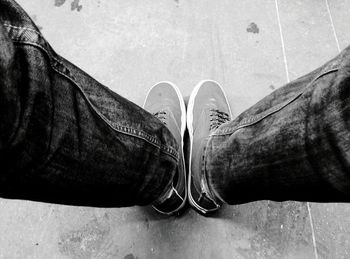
{"x":64,"y":137}
{"x":292,"y":145}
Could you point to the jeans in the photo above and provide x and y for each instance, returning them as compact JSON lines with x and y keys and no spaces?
{"x":67,"y":139}
{"x":292,"y":145}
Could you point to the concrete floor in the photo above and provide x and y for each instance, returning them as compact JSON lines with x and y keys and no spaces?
{"x":251,"y":47}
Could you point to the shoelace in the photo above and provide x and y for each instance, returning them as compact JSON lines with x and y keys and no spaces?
{"x":160,"y":115}
{"x":217,"y":118}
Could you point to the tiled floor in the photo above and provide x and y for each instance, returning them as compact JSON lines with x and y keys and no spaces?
{"x":251,"y":47}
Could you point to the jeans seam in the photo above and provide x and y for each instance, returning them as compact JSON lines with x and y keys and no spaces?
{"x":22,"y":27}
{"x":213,"y":194}
{"x":258,"y":118}
{"x":66,"y":73}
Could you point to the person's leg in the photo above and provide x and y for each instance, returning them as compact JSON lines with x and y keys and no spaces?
{"x":65,"y":138}
{"x":292,"y":145}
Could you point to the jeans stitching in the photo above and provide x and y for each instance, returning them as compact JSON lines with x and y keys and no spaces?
{"x":26,"y":28}
{"x":258,"y":118}
{"x":66,"y":73}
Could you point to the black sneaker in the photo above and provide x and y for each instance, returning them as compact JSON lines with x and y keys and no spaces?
{"x":165,"y":101}
{"x":207,"y":109}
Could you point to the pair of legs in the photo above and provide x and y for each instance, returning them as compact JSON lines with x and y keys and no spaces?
{"x":65,"y":138}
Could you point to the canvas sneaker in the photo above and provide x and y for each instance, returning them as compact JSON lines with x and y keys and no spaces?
{"x":208,"y":108}
{"x":165,"y":101}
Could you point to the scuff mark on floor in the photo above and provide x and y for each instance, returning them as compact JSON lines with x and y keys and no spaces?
{"x":59,"y":2}
{"x":147,"y":223}
{"x":253,"y":28}
{"x":76,"y":6}
{"x":85,"y":242}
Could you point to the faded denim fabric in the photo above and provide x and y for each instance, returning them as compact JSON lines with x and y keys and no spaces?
{"x":292,"y":145}
{"x":65,"y":138}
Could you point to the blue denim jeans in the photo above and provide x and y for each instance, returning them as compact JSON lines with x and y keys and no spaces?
{"x":65,"y":138}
